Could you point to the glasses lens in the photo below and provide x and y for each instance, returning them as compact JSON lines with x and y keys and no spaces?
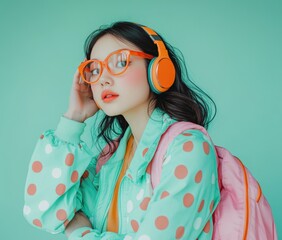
{"x":118,"y":62}
{"x":91,"y":71}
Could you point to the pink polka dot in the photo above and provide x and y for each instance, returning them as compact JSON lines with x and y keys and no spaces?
{"x":206,"y":147}
{"x":164,"y":194}
{"x":144,"y":204}
{"x":85,"y":232}
{"x":161,"y":222}
{"x":207,"y":227}
{"x":198,"y":176}
{"x":180,"y":171}
{"x":61,"y":215}
{"x":188,"y":146}
{"x":186,"y":134}
{"x":188,"y":199}
{"x":31,"y":190}
{"x":41,"y":136}
{"x":37,"y":222}
{"x":60,"y":189}
{"x":145,"y":151}
{"x":69,"y":159}
{"x":201,"y":205}
{"x":179,"y":232}
{"x":36,"y":166}
{"x":129,"y":175}
{"x":74,"y":176}
{"x":134,"y":225}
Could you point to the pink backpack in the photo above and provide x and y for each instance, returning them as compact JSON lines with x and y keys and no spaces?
{"x":243,"y":211}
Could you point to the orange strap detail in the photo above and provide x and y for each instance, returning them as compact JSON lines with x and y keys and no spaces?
{"x":247,"y":213}
{"x":113,"y":223}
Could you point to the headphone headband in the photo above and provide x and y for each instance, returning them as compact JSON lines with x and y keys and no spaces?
{"x":161,"y":72}
{"x":156,"y":39}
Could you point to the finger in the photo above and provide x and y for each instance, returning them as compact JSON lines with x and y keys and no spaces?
{"x":78,"y":80}
{"x":76,"y":77}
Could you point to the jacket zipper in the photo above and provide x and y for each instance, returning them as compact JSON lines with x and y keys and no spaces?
{"x":119,"y":207}
{"x":101,"y":217}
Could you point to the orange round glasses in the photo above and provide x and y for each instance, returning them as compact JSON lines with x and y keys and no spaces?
{"x":116,"y":63}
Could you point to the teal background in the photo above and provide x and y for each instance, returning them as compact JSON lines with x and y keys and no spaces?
{"x":232,"y":49}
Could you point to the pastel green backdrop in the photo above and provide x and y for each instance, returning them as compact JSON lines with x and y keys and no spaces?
{"x":232,"y":49}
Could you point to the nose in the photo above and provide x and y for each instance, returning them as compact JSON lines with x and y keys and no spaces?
{"x":105,"y":78}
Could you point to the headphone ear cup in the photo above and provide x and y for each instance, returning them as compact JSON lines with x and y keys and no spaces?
{"x":151,"y":76}
{"x":161,"y":74}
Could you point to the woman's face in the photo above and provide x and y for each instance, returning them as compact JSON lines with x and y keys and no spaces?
{"x":128,"y":92}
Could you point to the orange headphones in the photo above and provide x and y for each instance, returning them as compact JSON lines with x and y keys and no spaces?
{"x":161,"y":71}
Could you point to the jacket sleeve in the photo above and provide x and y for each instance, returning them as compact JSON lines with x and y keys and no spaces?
{"x":185,"y":199}
{"x":53,"y":191}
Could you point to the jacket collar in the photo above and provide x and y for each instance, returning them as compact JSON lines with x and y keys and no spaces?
{"x":157,"y":124}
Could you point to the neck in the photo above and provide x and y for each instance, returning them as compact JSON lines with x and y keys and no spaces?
{"x":137,"y":120}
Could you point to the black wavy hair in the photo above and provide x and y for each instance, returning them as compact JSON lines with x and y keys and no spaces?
{"x":184,"y":101}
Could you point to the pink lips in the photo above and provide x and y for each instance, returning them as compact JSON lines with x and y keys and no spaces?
{"x":108,"y":96}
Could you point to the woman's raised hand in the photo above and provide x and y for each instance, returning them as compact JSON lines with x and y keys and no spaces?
{"x":81,"y":103}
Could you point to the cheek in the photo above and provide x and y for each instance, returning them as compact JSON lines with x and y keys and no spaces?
{"x":94,"y":92}
{"x":136,"y":77}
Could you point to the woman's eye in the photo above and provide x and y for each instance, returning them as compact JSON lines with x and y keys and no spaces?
{"x":121,"y":64}
{"x":95,"y":71}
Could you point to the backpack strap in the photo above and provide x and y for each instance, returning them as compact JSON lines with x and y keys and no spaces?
{"x":167,"y":137}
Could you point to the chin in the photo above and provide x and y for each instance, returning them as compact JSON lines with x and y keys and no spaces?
{"x":111,"y":112}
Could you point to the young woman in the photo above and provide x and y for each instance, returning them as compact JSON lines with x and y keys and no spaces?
{"x":136,"y":86}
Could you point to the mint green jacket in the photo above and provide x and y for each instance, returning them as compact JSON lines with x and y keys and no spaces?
{"x":63,"y":178}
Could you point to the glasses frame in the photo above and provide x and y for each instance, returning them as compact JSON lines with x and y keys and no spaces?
{"x":104,"y":64}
